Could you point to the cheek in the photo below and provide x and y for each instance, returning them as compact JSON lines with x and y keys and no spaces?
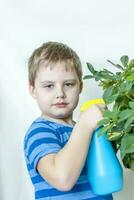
{"x":42,"y":98}
{"x":74,"y":96}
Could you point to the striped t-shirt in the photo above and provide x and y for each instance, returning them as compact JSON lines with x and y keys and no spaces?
{"x":45,"y":137}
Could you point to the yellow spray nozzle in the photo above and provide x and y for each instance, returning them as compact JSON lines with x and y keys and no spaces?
{"x":87,"y":104}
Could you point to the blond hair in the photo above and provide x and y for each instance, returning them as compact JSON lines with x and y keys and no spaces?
{"x":50,"y":53}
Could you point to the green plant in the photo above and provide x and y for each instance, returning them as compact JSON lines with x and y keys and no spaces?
{"x":118,"y":120}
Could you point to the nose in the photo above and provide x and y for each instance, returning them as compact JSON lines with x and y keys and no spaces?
{"x":60,"y":93}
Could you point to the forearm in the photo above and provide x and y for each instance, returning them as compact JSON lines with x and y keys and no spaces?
{"x":70,"y":160}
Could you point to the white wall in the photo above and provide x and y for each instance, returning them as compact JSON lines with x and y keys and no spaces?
{"x":97,"y":30}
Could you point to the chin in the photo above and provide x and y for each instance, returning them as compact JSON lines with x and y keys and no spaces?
{"x":62,"y":116}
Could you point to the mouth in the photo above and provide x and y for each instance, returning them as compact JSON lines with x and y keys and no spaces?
{"x":61,"y":105}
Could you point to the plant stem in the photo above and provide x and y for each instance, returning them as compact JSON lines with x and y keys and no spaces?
{"x":129,"y":97}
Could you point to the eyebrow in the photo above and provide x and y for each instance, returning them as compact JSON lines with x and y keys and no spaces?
{"x":47,"y":82}
{"x":67,"y":80}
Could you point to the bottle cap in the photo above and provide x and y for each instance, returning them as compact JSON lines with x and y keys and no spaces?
{"x":87,"y":104}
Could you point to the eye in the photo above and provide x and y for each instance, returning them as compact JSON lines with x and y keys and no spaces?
{"x":49,"y":86}
{"x":69,"y":84}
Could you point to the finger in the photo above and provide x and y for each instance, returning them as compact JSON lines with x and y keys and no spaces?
{"x":102,"y":107}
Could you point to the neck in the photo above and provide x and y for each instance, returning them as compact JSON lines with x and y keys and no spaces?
{"x":68,"y":120}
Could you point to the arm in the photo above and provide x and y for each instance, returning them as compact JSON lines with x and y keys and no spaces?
{"x":63,"y":169}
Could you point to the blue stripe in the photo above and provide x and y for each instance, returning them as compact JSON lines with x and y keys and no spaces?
{"x":37,"y":179}
{"x":29,"y":167}
{"x":104,"y":197}
{"x":54,"y":192}
{"x":42,"y":141}
{"x":41,"y":154}
{"x":33,"y":173}
{"x":72,"y":196}
{"x":39,"y":136}
{"x":65,"y":129}
{"x":38,"y":130}
{"x":55,"y":124}
{"x":42,"y":186}
{"x":41,"y":151}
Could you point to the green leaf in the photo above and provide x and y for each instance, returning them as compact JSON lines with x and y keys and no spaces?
{"x":131,"y":104}
{"x":104,"y":121}
{"x":111,"y":114}
{"x":131,"y":64}
{"x":116,"y":65}
{"x":128,"y":144}
{"x":91,"y":68}
{"x":103,"y":130}
{"x":129,"y":148}
{"x":130,"y":77}
{"x":88,"y":77}
{"x":106,"y":75}
{"x":125,"y":87}
{"x":125,"y":114}
{"x":132,"y":165}
{"x":119,"y":67}
{"x":110,"y":99}
{"x":114,"y":136}
{"x":128,"y":122}
{"x":107,"y":113}
{"x":128,"y":86}
{"x":126,"y":160}
{"x":107,"y":93}
{"x":124,"y":60}
{"x":106,"y":70}
{"x":122,"y":152}
{"x":115,"y":111}
{"x":97,"y":76}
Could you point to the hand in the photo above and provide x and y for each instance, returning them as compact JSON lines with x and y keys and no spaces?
{"x":90,"y":117}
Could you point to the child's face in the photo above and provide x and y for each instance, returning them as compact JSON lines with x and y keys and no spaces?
{"x":57,"y":91}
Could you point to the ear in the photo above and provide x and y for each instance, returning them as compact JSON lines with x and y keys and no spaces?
{"x":81,"y":86}
{"x":32,"y":91}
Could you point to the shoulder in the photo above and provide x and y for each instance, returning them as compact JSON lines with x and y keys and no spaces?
{"x":39,"y":125}
{"x":39,"y":129}
{"x":41,"y":139}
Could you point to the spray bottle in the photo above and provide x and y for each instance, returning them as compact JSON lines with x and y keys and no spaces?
{"x":105,"y":173}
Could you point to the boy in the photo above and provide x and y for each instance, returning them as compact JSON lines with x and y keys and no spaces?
{"x":55,"y":146}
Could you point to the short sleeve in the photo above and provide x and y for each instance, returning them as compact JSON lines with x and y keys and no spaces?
{"x":41,"y":141}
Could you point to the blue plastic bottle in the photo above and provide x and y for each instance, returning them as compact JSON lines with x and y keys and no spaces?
{"x":105,"y":173}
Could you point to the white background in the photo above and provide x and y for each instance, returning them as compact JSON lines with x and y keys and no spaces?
{"x":97,"y":30}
